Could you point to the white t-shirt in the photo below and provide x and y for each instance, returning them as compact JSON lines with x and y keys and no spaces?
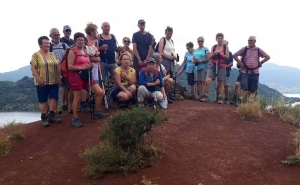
{"x":169,"y":48}
{"x":162,"y":69}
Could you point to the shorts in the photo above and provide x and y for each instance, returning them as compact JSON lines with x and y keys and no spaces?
{"x":77,"y":84}
{"x":47,"y":92}
{"x":249,"y":82}
{"x":65,"y":83}
{"x":168,"y":64}
{"x":239,"y":77}
{"x":227,"y":82}
{"x":201,"y":74}
{"x":211,"y":73}
{"x":190,"y":78}
{"x":115,"y":93}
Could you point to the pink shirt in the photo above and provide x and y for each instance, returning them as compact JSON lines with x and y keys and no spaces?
{"x":251,"y":58}
{"x":222,"y":61}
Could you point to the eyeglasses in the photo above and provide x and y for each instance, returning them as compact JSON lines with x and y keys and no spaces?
{"x":68,"y":30}
{"x":251,"y":40}
{"x":126,"y":41}
{"x":200,"y":41}
{"x":56,"y":35}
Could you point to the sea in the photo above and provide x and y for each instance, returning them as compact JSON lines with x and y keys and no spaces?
{"x":28,"y":117}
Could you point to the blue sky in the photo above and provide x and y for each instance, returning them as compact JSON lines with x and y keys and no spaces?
{"x":274,"y":23}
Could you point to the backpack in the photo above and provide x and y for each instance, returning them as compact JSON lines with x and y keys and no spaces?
{"x":64,"y":62}
{"x":157,"y":46}
{"x":156,"y":73}
{"x":51,"y":46}
{"x":244,"y":61}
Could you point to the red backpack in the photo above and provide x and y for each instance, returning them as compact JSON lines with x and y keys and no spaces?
{"x":64,"y":62}
{"x":156,"y":73}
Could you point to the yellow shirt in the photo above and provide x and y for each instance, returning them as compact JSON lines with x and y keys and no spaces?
{"x":130,"y":75}
{"x":47,"y":68}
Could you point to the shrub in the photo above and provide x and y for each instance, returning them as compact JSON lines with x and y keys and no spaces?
{"x":124,"y":146}
{"x":286,"y":112}
{"x":9,"y":135}
{"x":294,"y":159}
{"x":251,"y":110}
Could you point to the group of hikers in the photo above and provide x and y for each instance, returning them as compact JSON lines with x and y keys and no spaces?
{"x":93,"y":69}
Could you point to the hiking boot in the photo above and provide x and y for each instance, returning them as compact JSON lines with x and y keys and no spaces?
{"x":169,"y":100}
{"x":233,"y":102}
{"x":204,"y":98}
{"x":99,"y":114}
{"x":220,"y":100}
{"x":45,"y":121}
{"x":76,"y":122}
{"x":54,"y":119}
{"x":226,"y":101}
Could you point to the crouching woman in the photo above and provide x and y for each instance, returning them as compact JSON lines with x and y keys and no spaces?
{"x":151,"y":81}
{"x":125,"y":81}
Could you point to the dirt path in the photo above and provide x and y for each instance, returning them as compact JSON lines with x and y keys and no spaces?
{"x":205,"y":143}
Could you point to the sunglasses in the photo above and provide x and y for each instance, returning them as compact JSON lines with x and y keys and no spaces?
{"x":200,"y":41}
{"x":251,"y":40}
{"x":68,"y":30}
{"x":126,"y":41}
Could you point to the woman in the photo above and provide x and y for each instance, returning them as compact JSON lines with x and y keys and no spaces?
{"x":167,"y":80}
{"x":47,"y":78}
{"x":125,"y":48}
{"x":201,"y":57}
{"x":166,"y":49}
{"x":188,"y":66}
{"x":79,"y":63}
{"x":125,"y":81}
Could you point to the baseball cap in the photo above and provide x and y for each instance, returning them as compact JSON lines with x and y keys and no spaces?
{"x":67,"y":27}
{"x":141,"y":21}
{"x":151,"y":60}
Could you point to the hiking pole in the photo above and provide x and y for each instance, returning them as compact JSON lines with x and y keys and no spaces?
{"x":106,"y":71}
{"x":216,"y":79}
{"x":195,"y":80}
{"x":102,"y":85}
{"x":92,"y":101}
{"x":174,"y":92}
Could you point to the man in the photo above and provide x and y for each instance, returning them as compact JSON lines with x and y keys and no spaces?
{"x":59,"y":49}
{"x":219,"y":56}
{"x":107,"y":48}
{"x":250,"y":65}
{"x":151,"y":85}
{"x":142,"y":47}
{"x":67,"y":33}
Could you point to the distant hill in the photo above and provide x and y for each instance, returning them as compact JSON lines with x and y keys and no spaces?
{"x":282,"y":78}
{"x":16,"y":75}
{"x":269,"y":94}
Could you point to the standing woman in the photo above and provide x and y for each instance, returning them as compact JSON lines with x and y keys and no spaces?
{"x":79,"y":63}
{"x":47,"y":78}
{"x":201,"y":56}
{"x":125,"y":80}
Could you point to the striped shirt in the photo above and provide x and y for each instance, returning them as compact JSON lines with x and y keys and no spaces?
{"x":47,"y":68}
{"x":58,"y":50}
{"x":251,"y":58}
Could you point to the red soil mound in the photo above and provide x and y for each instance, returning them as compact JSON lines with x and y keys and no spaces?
{"x":205,"y":143}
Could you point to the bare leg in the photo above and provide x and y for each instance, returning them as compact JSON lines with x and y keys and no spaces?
{"x":76,"y":101}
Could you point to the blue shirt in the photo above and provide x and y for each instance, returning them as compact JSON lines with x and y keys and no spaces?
{"x":66,"y":41}
{"x":142,"y":43}
{"x":230,"y":60}
{"x":110,"y":55}
{"x":144,"y":79}
{"x":189,"y":65}
{"x":200,"y":54}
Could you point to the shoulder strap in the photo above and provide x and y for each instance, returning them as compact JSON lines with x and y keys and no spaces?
{"x":214,"y":48}
{"x":224,"y":49}
{"x":51,"y":47}
{"x":244,"y":54}
{"x":64,"y":45}
{"x":160,"y":69}
{"x":165,"y":41}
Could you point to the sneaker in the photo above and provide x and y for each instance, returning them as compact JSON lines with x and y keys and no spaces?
{"x":140,"y":105}
{"x":54,"y":119}
{"x":226,"y":101}
{"x":199,"y":97}
{"x":204,"y":98}
{"x":45,"y":121}
{"x":220,"y":100}
{"x":76,"y":122}
{"x":99,"y":114}
{"x":169,"y":100}
{"x":233,"y":101}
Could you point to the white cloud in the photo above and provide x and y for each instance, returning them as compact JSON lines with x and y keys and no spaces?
{"x":274,"y":23}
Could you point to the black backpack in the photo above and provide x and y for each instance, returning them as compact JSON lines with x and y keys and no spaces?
{"x":51,"y":46}
{"x":244,"y":61}
{"x":157,"y":46}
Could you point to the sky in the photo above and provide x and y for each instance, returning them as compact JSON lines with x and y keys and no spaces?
{"x":275,"y":24}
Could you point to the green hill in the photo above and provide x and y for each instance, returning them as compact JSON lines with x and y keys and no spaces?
{"x":16,"y":75}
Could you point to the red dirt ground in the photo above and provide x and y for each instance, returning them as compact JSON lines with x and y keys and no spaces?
{"x":205,"y":143}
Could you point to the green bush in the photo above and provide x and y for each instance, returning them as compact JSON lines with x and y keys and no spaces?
{"x":123,"y":145}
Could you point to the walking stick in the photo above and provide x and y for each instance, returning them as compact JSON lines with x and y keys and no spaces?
{"x":92,"y":100}
{"x":175,"y":71}
{"x":101,"y":81}
{"x":195,"y":80}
